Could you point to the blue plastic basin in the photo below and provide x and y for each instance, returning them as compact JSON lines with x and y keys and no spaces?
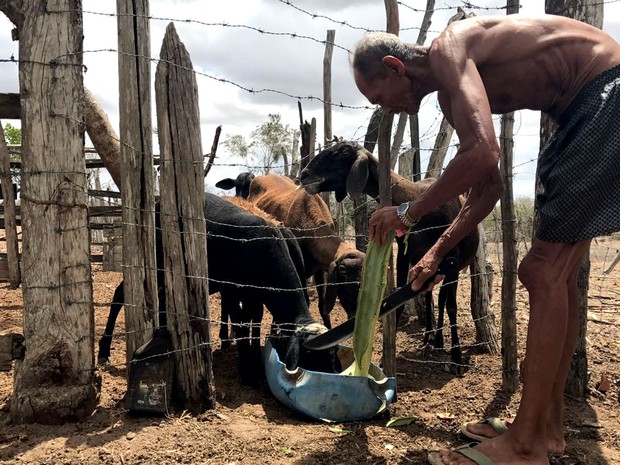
{"x":328,"y":396}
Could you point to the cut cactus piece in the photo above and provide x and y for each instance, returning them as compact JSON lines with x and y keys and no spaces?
{"x":374,"y":281}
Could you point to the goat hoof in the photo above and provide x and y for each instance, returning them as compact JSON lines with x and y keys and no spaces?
{"x":455,"y":369}
{"x":426,"y":350}
{"x":438,"y":342}
{"x":103,"y":361}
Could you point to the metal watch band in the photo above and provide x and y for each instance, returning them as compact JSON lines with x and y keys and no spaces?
{"x":406,"y":219}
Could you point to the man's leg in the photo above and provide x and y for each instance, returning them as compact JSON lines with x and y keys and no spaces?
{"x":545,"y":272}
{"x":555,"y":423}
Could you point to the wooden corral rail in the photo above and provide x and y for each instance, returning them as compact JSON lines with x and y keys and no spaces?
{"x":105,"y":210}
{"x":90,"y":162}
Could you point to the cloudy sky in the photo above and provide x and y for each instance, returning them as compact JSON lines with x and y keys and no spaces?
{"x":284,"y":62}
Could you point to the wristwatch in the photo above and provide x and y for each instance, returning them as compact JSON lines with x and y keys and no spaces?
{"x":403,"y":216}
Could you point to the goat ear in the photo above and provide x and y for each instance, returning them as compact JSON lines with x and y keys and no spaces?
{"x":358,"y":176}
{"x":225,"y":184}
{"x":331,"y":289}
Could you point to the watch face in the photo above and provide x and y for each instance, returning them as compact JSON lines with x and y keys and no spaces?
{"x":402,"y":208}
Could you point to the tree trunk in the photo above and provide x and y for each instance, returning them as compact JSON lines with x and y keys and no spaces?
{"x":591,"y":12}
{"x":183,"y":224}
{"x":56,"y":382}
{"x":102,"y":135}
{"x":285,"y":162}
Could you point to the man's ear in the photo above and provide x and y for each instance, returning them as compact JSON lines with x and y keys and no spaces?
{"x":393,"y":65}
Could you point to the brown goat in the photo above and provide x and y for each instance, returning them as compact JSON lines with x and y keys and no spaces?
{"x":309,"y":219}
{"x":346,"y":167}
{"x":253,"y":209}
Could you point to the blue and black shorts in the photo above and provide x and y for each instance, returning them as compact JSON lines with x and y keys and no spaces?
{"x":579,"y":169}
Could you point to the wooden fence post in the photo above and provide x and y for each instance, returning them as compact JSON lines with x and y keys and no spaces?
{"x":134,"y":66}
{"x":56,"y":381}
{"x":183,"y":223}
{"x":385,"y":199}
{"x":590,"y":12}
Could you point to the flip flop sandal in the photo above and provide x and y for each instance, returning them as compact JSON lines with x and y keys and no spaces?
{"x":465,"y":450}
{"x":498,"y":426}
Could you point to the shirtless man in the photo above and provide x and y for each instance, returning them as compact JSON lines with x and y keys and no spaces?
{"x":486,"y":65}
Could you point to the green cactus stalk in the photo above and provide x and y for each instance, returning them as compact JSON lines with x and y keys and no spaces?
{"x":374,"y":281}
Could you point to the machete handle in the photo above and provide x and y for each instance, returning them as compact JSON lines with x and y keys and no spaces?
{"x":405,"y":293}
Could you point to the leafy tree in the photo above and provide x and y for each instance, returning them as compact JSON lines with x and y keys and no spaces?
{"x":270,"y":143}
{"x":238,"y":147}
{"x":12,"y":135}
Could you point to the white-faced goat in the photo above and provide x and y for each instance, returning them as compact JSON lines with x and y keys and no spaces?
{"x":346,"y":167}
{"x":249,"y":263}
{"x":309,"y":219}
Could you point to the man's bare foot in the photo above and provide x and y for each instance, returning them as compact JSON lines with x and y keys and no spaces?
{"x":491,"y":428}
{"x":500,"y":451}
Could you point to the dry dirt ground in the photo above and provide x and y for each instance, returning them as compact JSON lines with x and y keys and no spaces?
{"x":248,"y":426}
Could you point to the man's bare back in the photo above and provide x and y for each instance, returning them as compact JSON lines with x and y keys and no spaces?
{"x":546,"y":60}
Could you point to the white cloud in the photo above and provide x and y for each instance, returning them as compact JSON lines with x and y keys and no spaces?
{"x":277,"y":61}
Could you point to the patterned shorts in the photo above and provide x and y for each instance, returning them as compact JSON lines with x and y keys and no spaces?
{"x":579,"y":168}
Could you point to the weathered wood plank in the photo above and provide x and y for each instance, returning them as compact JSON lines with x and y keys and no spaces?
{"x":56,"y":381}
{"x":137,"y":177}
{"x":182,"y":209}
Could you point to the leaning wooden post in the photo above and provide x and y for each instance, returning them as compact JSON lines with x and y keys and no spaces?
{"x":438,"y":155}
{"x":183,"y":223}
{"x":10,"y":227}
{"x":56,"y":381}
{"x":137,"y":180}
{"x":385,"y":199}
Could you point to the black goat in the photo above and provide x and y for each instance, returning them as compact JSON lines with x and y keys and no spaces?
{"x":296,"y":256}
{"x":346,"y":167}
{"x":249,"y":263}
{"x":241,"y":184}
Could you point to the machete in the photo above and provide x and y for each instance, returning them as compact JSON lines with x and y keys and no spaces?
{"x":401,"y":295}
